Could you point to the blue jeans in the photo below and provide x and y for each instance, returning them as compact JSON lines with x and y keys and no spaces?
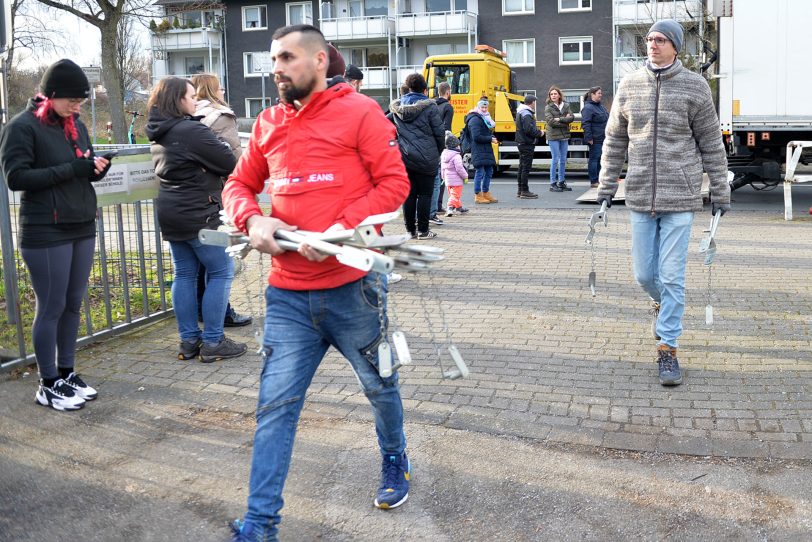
{"x":435,"y":197}
{"x":482,"y":179}
{"x":299,"y":328}
{"x":659,"y":256}
{"x":594,"y":164}
{"x":558,"y":148}
{"x":187,"y":257}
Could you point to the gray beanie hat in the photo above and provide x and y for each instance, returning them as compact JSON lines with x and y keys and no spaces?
{"x":671,"y":29}
{"x":451,"y":141}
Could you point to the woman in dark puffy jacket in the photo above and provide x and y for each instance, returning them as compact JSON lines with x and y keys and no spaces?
{"x":421,"y":138}
{"x":480,"y":126}
{"x":190,"y":162}
{"x":593,"y":119}
{"x":46,"y":153}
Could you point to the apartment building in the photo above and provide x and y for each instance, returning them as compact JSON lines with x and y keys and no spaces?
{"x":574,"y":44}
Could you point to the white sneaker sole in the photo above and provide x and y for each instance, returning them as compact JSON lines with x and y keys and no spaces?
{"x":386,"y":506}
{"x":58,"y":404}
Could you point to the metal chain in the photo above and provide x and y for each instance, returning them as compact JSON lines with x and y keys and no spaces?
{"x":381,"y":309}
{"x":428,"y":323}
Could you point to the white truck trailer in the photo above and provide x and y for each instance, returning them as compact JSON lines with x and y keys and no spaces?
{"x":764,"y":84}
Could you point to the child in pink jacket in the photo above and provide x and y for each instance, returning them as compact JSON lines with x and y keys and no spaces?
{"x":453,"y":173}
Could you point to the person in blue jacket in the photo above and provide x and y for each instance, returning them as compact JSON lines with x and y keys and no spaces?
{"x":593,"y":120}
{"x":481,"y":125}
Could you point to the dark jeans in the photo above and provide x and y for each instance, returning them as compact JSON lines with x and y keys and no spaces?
{"x":594,"y":164}
{"x":525,"y":163}
{"x":418,"y":204}
{"x":59,"y":276}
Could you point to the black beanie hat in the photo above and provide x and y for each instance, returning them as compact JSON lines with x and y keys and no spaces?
{"x":64,"y":79}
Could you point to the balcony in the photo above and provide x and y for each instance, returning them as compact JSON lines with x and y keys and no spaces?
{"x":184,"y":39}
{"x":627,"y":65}
{"x":357,"y":28}
{"x":377,"y":78}
{"x":403,"y":71}
{"x":436,"y":23}
{"x":646,"y":13}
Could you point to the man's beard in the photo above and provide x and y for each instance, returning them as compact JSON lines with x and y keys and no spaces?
{"x":294,"y":93}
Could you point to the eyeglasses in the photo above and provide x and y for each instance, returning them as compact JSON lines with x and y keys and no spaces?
{"x":77,"y":101}
{"x":659,"y":41}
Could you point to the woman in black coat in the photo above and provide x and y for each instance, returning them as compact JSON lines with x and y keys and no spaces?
{"x":480,"y":126}
{"x":593,"y":120}
{"x":46,"y":153}
{"x":190,"y":162}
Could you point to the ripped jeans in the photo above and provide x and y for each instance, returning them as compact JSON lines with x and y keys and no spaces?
{"x":299,"y":328}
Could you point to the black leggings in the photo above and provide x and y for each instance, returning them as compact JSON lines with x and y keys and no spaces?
{"x":59,"y":276}
{"x":418,"y":204}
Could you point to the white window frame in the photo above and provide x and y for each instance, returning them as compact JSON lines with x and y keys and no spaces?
{"x":527,"y":42}
{"x":575,"y":39}
{"x":571,"y":10}
{"x":253,"y":29}
{"x":245,"y":71}
{"x":524,"y":93}
{"x":306,"y":5}
{"x":580,"y":93}
{"x":268,"y":100}
{"x":524,"y":10}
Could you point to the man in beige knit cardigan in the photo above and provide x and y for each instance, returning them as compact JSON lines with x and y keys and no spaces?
{"x":663,"y":117}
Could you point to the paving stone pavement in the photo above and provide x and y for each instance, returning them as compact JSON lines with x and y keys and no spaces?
{"x":548,"y":360}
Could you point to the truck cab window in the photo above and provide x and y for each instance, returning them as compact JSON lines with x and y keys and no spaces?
{"x":459,"y":77}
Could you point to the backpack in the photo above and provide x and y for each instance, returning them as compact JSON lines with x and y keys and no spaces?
{"x":465,"y":140}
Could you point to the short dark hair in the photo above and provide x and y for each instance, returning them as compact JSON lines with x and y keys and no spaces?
{"x":167,"y":95}
{"x":310,"y":34}
{"x":442,"y":88}
{"x":416,"y":82}
{"x":404,"y":89}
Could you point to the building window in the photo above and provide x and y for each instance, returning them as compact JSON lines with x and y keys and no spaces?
{"x":253,"y":106}
{"x":575,"y":50}
{"x":368,"y":8}
{"x":299,"y":13}
{"x":255,"y":18}
{"x":518,"y":7}
{"x":520,"y":52}
{"x":574,"y":5}
{"x":252,"y":63}
{"x":194,"y":64}
{"x":574,"y":97}
{"x":434,"y":49}
{"x":529,"y":92}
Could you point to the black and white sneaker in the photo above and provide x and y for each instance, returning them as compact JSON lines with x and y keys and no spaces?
{"x":436,"y":220}
{"x":60,"y":396}
{"x":80,"y":388}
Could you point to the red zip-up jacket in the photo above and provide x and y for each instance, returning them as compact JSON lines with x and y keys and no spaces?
{"x":335,"y":161}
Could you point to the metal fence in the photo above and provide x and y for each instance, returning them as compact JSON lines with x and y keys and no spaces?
{"x":131,"y":275}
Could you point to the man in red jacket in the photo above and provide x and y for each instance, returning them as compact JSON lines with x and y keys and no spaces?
{"x":332,"y":160}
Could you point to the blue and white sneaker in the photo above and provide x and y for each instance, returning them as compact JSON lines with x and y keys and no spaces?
{"x":60,"y":396}
{"x":396,"y":472}
{"x":80,"y":388}
{"x":247,"y":532}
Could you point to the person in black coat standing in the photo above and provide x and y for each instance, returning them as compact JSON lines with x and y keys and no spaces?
{"x":447,"y":117}
{"x":527,"y":131}
{"x":190,"y":162}
{"x":421,"y":138}
{"x":593,"y":120}
{"x":480,"y":125}
{"x":45,"y":152}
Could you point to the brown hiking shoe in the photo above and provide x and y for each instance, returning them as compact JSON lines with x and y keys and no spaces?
{"x":480,"y":198}
{"x":490,"y":198}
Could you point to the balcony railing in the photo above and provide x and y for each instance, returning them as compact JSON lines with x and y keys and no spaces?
{"x":180,"y":39}
{"x":376,"y":78}
{"x":646,"y":13}
{"x":357,"y":28}
{"x":436,"y":23}
{"x":403,"y":71}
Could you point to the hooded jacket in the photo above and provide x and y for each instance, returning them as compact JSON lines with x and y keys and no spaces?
{"x":446,"y":113}
{"x":593,"y":120}
{"x":190,"y":162}
{"x":420,"y":133}
{"x":666,"y":122}
{"x":222,"y":121}
{"x":527,"y":131}
{"x":36,"y":159}
{"x":334,"y":161}
{"x":558,"y":119}
{"x":481,"y":140}
{"x":452,"y":170}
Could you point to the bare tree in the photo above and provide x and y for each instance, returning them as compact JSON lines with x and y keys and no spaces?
{"x":32,"y":32}
{"x":132,"y":63}
{"x":107,"y":15}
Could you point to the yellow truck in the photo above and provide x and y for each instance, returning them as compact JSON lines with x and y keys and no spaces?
{"x":486,"y":73}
